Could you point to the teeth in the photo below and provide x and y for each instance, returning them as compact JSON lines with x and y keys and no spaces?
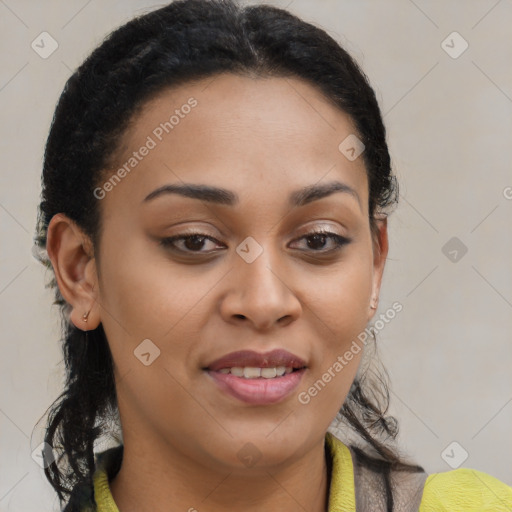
{"x":268,"y":373}
{"x":252,"y":373}
{"x":249,"y":372}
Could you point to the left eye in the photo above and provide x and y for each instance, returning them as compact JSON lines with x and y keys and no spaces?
{"x":320,"y":237}
{"x":193,"y":243}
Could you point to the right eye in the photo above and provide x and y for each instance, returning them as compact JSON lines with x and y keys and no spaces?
{"x":191,"y":243}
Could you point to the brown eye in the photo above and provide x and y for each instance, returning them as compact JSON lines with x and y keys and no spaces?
{"x":317,"y":240}
{"x":192,"y":243}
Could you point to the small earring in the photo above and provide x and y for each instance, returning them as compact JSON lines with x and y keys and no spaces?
{"x":86,"y":316}
{"x":374,"y":303}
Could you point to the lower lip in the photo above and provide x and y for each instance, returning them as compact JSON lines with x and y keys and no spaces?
{"x":258,"y":391}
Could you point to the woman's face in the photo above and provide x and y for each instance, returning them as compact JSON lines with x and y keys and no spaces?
{"x":256,"y":282}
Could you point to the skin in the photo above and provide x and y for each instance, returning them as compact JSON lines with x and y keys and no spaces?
{"x":261,"y":139}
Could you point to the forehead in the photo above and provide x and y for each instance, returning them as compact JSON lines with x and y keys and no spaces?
{"x":250,"y":135}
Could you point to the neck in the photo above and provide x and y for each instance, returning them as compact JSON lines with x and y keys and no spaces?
{"x":153,"y":475}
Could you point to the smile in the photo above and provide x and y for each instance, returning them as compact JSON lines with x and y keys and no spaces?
{"x":255,"y":388}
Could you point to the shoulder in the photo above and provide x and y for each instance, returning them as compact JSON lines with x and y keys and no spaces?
{"x":81,"y":498}
{"x":93,"y":494}
{"x":465,"y":490}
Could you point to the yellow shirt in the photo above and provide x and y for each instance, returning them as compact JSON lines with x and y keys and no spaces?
{"x":459,"y":490}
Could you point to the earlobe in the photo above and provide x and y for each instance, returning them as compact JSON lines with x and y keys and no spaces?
{"x":380,"y":253}
{"x":71,"y":254}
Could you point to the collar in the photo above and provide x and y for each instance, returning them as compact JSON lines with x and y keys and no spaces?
{"x":341,"y":485}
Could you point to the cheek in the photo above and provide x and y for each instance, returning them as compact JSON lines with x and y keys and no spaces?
{"x":144,"y":292}
{"x":343,"y":319}
{"x":341,"y":298}
{"x":339,"y":305}
{"x":144,"y":298}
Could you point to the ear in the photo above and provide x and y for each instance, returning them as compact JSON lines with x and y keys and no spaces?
{"x":380,"y":253}
{"x":71,"y":254}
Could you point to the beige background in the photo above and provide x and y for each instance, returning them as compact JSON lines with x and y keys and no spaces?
{"x":449,"y":352}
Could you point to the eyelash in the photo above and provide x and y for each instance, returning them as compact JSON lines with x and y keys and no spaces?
{"x":339,"y":241}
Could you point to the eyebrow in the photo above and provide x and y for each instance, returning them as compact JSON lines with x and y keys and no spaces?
{"x":223,"y":196}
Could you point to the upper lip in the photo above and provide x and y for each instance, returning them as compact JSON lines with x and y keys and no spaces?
{"x":242,"y":358}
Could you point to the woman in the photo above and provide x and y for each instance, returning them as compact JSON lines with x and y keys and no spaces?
{"x":215,"y":188}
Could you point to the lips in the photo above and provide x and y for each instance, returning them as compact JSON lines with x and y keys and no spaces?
{"x":258,"y":391}
{"x":243,"y":358}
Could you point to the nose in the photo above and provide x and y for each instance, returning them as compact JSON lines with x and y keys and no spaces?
{"x":260,"y":293}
